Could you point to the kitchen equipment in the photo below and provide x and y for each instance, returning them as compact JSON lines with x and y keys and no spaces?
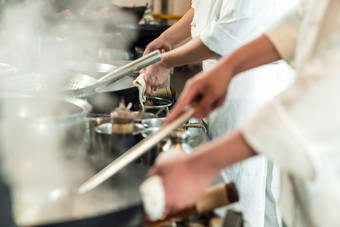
{"x":115,"y":203}
{"x":76,"y":84}
{"x":197,"y":132}
{"x":43,"y":119}
{"x":108,"y":146}
{"x":158,"y":106}
{"x":152,"y":122}
{"x":105,"y":101}
{"x":139,"y":116}
{"x":6,"y":69}
{"x":150,"y":156}
{"x":95,"y":70}
{"x":135,"y":152}
{"x":179,"y":139}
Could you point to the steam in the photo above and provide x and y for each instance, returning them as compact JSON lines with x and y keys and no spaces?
{"x":35,"y":159}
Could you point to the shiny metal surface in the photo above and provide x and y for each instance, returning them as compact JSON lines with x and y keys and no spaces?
{"x":139,"y":116}
{"x":45,"y":120}
{"x":65,"y":207}
{"x":153,"y":122}
{"x":7,"y":69}
{"x":76,"y":85}
{"x":135,"y":152}
{"x":95,"y":70}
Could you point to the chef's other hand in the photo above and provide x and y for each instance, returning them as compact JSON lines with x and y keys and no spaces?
{"x":155,"y":75}
{"x":207,"y":90}
{"x":184,"y":180}
{"x":160,"y":44}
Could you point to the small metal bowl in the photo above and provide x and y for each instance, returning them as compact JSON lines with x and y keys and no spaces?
{"x":152,"y":122}
{"x":150,"y":131}
{"x":139,"y":116}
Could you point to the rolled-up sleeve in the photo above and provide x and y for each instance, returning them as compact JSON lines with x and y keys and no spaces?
{"x":284,"y":33}
{"x":301,"y":128}
{"x":270,"y":132}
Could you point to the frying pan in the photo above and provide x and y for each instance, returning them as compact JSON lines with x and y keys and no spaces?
{"x":77,"y":85}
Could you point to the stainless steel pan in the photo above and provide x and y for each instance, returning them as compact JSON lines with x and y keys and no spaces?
{"x":77,"y":85}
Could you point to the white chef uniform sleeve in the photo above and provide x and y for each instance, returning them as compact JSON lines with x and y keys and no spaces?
{"x":283,"y":34}
{"x":282,"y":129}
{"x":235,"y":23}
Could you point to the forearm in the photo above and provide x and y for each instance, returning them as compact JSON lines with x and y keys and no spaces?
{"x":180,"y":30}
{"x":222,"y":152}
{"x":193,"y":51}
{"x":253,"y":54}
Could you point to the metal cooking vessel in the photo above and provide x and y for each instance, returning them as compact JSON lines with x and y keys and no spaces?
{"x":109,"y":146}
{"x":116,"y":203}
{"x":32,"y":126}
{"x":75,"y":85}
{"x":61,"y":120}
{"x":6,"y":69}
{"x":158,"y":106}
{"x":92,"y":69}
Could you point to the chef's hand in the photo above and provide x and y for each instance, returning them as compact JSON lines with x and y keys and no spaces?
{"x":161,"y":44}
{"x":207,"y":90}
{"x":184,"y":180}
{"x":154,"y":76}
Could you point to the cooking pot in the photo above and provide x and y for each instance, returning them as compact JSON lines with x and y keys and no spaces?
{"x":152,"y":122}
{"x":158,"y":106}
{"x":139,"y":116}
{"x":6,"y":69}
{"x":37,"y":120}
{"x":149,"y":158}
{"x":109,"y":146}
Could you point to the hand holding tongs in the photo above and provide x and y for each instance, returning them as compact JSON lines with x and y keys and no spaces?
{"x":135,"y":152}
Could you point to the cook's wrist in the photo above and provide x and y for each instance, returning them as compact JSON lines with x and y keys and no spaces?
{"x":200,"y":162}
{"x":166,"y":60}
{"x":167,"y":40}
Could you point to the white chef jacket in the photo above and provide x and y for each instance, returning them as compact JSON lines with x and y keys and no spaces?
{"x":224,"y":26}
{"x":300,"y":129}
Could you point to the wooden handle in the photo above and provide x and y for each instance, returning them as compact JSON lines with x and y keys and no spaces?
{"x":166,"y":92}
{"x":216,"y":196}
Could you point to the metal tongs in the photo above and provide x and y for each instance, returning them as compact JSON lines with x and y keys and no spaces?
{"x":135,"y":152}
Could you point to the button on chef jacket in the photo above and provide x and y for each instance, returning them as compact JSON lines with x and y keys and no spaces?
{"x":224,"y":26}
